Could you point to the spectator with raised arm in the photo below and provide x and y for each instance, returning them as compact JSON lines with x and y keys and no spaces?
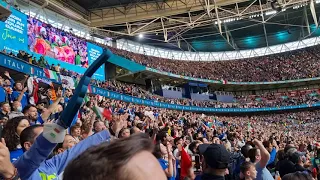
{"x":260,"y":156}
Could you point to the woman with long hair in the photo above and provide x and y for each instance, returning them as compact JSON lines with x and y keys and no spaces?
{"x":164,"y":155}
{"x":11,"y":134}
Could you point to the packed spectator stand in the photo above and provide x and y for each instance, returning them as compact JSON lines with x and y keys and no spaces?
{"x":110,"y":138}
{"x":296,"y":64}
{"x":288,"y":98}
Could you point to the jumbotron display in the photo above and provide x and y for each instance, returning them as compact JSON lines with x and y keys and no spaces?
{"x":49,"y":41}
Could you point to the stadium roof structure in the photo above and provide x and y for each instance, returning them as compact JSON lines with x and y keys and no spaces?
{"x":195,"y":25}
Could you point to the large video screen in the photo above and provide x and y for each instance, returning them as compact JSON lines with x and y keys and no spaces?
{"x":20,"y":32}
{"x":13,"y":31}
{"x":49,"y":41}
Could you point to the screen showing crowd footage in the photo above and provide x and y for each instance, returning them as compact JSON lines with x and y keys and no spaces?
{"x":49,"y":41}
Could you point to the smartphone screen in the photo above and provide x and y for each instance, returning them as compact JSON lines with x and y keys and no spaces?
{"x":196,"y":163}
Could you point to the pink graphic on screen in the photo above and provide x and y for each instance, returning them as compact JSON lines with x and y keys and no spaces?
{"x":49,"y":41}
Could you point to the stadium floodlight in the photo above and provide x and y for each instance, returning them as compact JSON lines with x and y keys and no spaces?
{"x":270,"y":12}
{"x":140,"y":36}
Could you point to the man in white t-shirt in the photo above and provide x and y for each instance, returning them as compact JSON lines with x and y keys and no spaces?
{"x":178,"y":142}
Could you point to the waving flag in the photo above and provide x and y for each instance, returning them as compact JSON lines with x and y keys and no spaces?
{"x":223,"y":81}
{"x":185,"y":164}
{"x":103,"y":112}
{"x":51,"y":74}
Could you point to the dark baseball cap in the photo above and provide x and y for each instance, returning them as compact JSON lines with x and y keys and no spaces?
{"x":215,"y":155}
{"x":296,"y":156}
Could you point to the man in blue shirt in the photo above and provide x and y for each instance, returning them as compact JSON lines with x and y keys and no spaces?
{"x":19,"y":94}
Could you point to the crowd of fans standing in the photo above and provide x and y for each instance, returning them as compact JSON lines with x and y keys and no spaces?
{"x":297,"y":64}
{"x":251,"y":147}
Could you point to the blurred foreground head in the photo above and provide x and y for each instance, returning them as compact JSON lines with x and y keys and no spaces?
{"x":123,"y":159}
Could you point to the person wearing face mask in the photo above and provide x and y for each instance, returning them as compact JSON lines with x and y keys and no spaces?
{"x":17,"y":110}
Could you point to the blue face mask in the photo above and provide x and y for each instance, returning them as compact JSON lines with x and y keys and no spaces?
{"x":19,"y":109}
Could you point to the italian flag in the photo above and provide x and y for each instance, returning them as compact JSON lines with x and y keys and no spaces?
{"x":51,"y":74}
{"x":223,"y":81}
{"x":103,"y":112}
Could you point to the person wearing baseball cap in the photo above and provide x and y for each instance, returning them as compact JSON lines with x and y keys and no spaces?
{"x":215,"y":161}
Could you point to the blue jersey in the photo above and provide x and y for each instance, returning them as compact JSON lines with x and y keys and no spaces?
{"x":164,"y":165}
{"x":24,"y":100}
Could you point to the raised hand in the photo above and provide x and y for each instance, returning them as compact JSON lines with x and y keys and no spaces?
{"x":118,"y":124}
{"x":25,"y":89}
{"x":6,"y":168}
{"x":6,"y":73}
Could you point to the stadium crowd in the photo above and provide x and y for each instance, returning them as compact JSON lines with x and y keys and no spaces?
{"x":297,"y":64}
{"x":289,"y":98}
{"x":174,"y":144}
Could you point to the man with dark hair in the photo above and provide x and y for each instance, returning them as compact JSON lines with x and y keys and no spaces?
{"x":163,"y":137}
{"x":29,"y":135}
{"x":120,"y":160}
{"x":31,"y":112}
{"x":245,"y":149}
{"x":215,"y":161}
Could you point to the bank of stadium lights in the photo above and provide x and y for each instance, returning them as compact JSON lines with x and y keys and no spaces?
{"x":140,"y":36}
{"x":229,"y":20}
{"x":304,"y":4}
{"x":270,"y":12}
{"x":254,"y":15}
